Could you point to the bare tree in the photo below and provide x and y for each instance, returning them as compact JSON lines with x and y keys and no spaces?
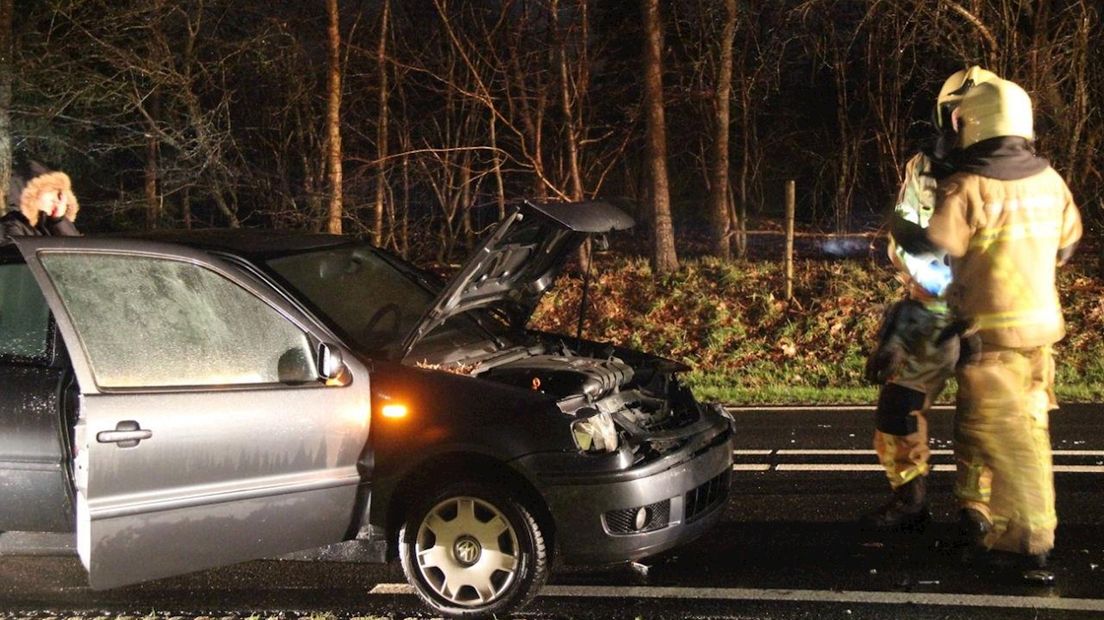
{"x":214,"y":112}
{"x":382,"y":122}
{"x":664,"y":256}
{"x":6,"y":68}
{"x":568,"y":96}
{"x":152,"y":169}
{"x":721,"y":228}
{"x":107,"y":78}
{"x":333,"y":119}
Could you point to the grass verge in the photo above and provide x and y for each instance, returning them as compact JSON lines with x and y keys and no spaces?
{"x":747,"y":345}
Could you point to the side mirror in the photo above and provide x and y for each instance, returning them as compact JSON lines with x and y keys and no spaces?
{"x":330,"y":363}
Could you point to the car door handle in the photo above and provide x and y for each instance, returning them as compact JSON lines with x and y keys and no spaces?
{"x":127,"y":434}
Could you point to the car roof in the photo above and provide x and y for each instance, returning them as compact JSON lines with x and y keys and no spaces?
{"x":246,"y":242}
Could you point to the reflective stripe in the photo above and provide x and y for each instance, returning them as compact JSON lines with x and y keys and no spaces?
{"x":1035,"y":217}
{"x":1016,"y":318}
{"x":1030,"y":206}
{"x":916,"y":201}
{"x":1016,"y":232}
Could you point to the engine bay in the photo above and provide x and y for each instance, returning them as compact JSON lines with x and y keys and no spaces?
{"x":649,"y":407}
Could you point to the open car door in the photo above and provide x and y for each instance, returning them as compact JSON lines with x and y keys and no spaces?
{"x":209,"y":431}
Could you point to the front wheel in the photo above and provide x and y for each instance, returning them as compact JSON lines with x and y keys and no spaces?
{"x":471,"y":550}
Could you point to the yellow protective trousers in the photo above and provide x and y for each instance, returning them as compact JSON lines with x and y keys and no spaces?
{"x":901,"y":433}
{"x":1002,"y":445}
{"x":900,"y":420}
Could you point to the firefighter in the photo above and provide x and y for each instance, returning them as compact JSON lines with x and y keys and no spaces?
{"x":911,"y":363}
{"x":1007,"y":220}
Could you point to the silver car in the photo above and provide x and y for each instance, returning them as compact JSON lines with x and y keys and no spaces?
{"x":191,"y":399}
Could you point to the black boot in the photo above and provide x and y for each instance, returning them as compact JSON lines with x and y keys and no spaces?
{"x":972,"y":528}
{"x":1036,"y":570}
{"x":1033,"y":570}
{"x":908,"y":508}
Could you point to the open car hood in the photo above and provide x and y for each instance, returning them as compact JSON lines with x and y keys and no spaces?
{"x":517,"y":263}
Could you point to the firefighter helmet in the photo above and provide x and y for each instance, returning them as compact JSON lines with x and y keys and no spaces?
{"x":954,"y":88}
{"x":995,"y":108}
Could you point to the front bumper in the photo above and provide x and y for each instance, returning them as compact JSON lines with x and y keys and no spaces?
{"x":596,"y":517}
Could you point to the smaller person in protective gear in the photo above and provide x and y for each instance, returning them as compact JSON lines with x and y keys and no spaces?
{"x":1007,"y":220}
{"x":913,"y":361}
{"x":42,"y":206}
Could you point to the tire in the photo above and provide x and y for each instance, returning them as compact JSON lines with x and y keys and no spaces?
{"x":471,"y":550}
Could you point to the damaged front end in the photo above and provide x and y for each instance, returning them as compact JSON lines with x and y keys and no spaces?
{"x":619,"y":399}
{"x":652,"y":466}
{"x":649,"y":467}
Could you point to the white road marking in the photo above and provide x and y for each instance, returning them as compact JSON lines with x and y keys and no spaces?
{"x":1078,"y":452}
{"x":848,"y":451}
{"x":1058,"y":469}
{"x":813,"y":596}
{"x":1079,"y":469}
{"x":856,"y":467}
{"x":807,"y":408}
{"x":828,"y":467}
{"x":858,"y":451}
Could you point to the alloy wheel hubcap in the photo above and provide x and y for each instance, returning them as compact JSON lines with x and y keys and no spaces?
{"x":467,"y":551}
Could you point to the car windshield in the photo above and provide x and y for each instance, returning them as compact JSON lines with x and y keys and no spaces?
{"x":372,"y":300}
{"x":364,"y":295}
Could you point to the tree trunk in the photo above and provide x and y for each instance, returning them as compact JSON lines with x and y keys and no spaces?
{"x":403,"y":245}
{"x":186,"y":207}
{"x":846,"y":148}
{"x":381,"y":126}
{"x":572,"y":136}
{"x":153,"y":205}
{"x":745,"y":166}
{"x":500,"y":185}
{"x":575,"y":176}
{"x":333,"y":121}
{"x":720,"y":231}
{"x":6,"y":76}
{"x":466,"y":190}
{"x":152,"y":169}
{"x":665,"y":258}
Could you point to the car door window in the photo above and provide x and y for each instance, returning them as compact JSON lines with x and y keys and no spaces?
{"x":148,"y":322}
{"x":24,"y":315}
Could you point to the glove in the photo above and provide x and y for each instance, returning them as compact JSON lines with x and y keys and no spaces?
{"x":968,"y":340}
{"x":928,"y":271}
{"x":912,"y":237}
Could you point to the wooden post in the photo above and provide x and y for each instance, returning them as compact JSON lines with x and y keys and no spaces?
{"x":791,"y":198}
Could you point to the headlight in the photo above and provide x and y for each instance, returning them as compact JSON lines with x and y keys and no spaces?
{"x":594,"y":433}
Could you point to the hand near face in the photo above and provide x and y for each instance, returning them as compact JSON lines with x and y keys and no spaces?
{"x":53,"y":203}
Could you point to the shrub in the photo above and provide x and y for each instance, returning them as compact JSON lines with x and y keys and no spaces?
{"x":747,"y":345}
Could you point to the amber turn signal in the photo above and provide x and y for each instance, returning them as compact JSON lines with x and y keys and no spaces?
{"x":394,"y":410}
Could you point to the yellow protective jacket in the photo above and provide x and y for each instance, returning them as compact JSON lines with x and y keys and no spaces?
{"x":1003,"y":237}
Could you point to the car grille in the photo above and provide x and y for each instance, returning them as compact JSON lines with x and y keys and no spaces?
{"x":623,"y":521}
{"x":707,"y":496}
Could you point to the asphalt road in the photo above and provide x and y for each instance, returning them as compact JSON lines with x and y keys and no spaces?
{"x":787,"y":547}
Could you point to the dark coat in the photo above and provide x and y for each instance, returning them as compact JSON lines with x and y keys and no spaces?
{"x":15,"y":224}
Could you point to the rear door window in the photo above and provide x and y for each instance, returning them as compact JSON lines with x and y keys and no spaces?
{"x":24,"y":315}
